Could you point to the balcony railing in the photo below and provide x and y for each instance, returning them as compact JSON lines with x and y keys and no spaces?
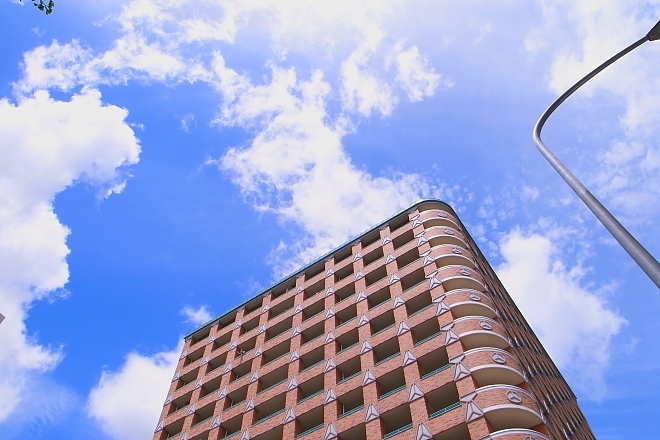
{"x":444,"y":410}
{"x":394,"y":391}
{"x":268,"y":417}
{"x":351,"y":411}
{"x":397,"y":431}
{"x":310,"y":430}
{"x":436,"y":371}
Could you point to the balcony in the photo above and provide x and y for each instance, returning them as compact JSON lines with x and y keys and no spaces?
{"x":460,"y":277}
{"x":516,"y":434}
{"x":437,"y":217}
{"x":467,"y":302}
{"x":438,"y":236}
{"x":477,"y":331}
{"x":490,"y":366}
{"x":507,"y":407}
{"x":452,"y":255}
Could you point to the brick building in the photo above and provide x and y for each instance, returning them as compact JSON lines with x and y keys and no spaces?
{"x":403,"y":333}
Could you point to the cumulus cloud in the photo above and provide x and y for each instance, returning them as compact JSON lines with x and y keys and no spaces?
{"x":45,"y":146}
{"x":197,"y":316}
{"x":416,"y":77}
{"x":297,"y":168}
{"x":575,"y":324}
{"x":128,"y":402}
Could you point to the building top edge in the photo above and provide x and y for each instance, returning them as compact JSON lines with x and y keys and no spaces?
{"x":295,"y":274}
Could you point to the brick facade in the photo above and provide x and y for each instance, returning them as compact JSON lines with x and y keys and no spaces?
{"x":404,"y":333}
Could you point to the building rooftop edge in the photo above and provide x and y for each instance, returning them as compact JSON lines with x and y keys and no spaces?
{"x":323,"y":257}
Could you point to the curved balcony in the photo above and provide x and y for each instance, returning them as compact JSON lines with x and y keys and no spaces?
{"x":508,"y":407}
{"x":452,"y":255}
{"x":437,"y":217}
{"x":444,"y":235}
{"x":490,"y":366}
{"x":518,"y":434}
{"x":468,"y":302}
{"x":477,"y":331}
{"x":460,"y":277}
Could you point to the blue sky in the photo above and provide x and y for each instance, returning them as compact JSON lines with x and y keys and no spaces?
{"x":162,"y":161}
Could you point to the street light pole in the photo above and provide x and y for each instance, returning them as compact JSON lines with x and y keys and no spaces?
{"x":642,"y":257}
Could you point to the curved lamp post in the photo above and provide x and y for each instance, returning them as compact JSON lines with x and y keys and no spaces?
{"x":641,"y":256}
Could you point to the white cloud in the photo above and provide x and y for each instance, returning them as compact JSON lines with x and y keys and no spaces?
{"x":197,"y":316}
{"x":128,"y":402}
{"x":575,"y":325}
{"x":46,"y":146}
{"x":416,"y":77}
{"x":297,"y":168}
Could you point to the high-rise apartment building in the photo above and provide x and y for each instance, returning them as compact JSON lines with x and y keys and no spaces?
{"x":403,"y":333}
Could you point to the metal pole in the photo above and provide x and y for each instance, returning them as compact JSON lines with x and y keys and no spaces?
{"x":642,"y":257}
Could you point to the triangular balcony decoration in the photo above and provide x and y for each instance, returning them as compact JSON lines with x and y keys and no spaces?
{"x":414,"y":217}
{"x":211,"y":339}
{"x":442,"y":214}
{"x":390,"y":258}
{"x":296,"y":331}
{"x":289,"y":416}
{"x":233,"y":344}
{"x":258,"y":352}
{"x":403,"y":327}
{"x":398,"y":301}
{"x":177,"y":375}
{"x":298,"y":309}
{"x":408,"y":358}
{"x":359,"y":275}
{"x":217,"y":421}
{"x":364,"y":319}
{"x":473,"y":412}
{"x":198,"y":384}
{"x":423,"y":433}
{"x":461,"y":371}
{"x":386,"y":240}
{"x":330,"y":337}
{"x":330,"y":291}
{"x":293,"y":383}
{"x":249,"y":406}
{"x":330,"y":432}
{"x":184,"y":353}
{"x":434,"y":283}
{"x":228,"y":368}
{"x":262,"y":329}
{"x":330,"y":396}
{"x":357,"y":256}
{"x":265,"y":309}
{"x":420,"y":234}
{"x":329,"y":273}
{"x":360,"y":296}
{"x":329,"y":313}
{"x":422,"y":240}
{"x":294,"y":356}
{"x":238,"y":324}
{"x":184,"y":436}
{"x":372,"y":413}
{"x":254,"y":377}
{"x":369,"y":377}
{"x":366,"y":346}
{"x":442,"y":308}
{"x":223,"y":393}
{"x":415,"y":392}
{"x":161,"y":425}
{"x":300,"y":289}
{"x":428,"y":260}
{"x":416,"y":223}
{"x":449,"y":231}
{"x":169,"y":399}
{"x":330,"y":365}
{"x":191,"y":409}
{"x":394,"y":278}
{"x":245,"y":435}
{"x":205,"y":360}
